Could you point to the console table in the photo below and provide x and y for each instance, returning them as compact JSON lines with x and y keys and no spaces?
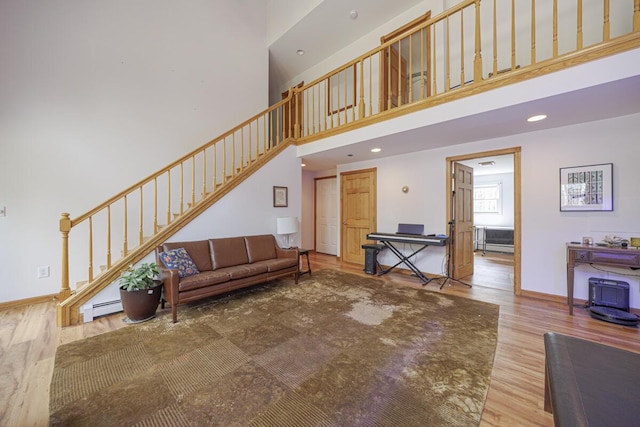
{"x":601,"y":255}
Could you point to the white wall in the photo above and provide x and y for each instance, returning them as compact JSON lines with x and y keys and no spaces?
{"x":607,"y":141}
{"x":284,"y":14}
{"x":545,"y":229}
{"x":97,"y":95}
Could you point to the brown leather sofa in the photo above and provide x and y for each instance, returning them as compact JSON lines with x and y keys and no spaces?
{"x":225,"y":264}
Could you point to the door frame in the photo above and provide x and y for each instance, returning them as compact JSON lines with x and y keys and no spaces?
{"x":517,"y":202}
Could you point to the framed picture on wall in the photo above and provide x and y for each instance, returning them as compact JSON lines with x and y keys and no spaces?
{"x":280,"y":197}
{"x":586,"y":188}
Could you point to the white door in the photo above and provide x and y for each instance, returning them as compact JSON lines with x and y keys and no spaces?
{"x":326,"y":216}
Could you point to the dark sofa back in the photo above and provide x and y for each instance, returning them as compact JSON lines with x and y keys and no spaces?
{"x":261,"y":247}
{"x":227,"y":252}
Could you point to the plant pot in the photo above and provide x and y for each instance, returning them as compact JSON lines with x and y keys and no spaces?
{"x":141,"y":305}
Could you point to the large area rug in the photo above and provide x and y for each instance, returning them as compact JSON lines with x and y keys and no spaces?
{"x":335,"y":350}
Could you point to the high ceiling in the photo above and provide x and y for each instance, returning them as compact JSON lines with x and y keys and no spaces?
{"x":325,"y":30}
{"x":604,"y":89}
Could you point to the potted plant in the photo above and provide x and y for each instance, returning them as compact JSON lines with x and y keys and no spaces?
{"x":140,"y":292}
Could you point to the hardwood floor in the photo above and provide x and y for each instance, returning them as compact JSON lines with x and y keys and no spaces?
{"x":493,"y":270}
{"x":29,"y":338}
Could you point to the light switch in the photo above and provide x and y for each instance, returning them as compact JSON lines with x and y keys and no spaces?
{"x":43,"y":272}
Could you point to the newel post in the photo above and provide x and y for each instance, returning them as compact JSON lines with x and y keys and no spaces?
{"x":65,"y":227}
{"x":477,"y":61}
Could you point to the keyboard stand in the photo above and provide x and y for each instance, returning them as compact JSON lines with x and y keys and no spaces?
{"x":406,"y":261}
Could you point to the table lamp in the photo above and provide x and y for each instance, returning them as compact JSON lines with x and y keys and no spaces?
{"x":287,"y":226}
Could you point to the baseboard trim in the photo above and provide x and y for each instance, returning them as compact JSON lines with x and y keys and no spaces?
{"x":563,"y":300}
{"x":547,"y":297}
{"x":28,"y":301}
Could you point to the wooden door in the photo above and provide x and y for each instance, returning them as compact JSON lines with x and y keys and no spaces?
{"x":358,"y":212}
{"x":462,"y":259}
{"x":394,"y":71}
{"x":326,"y":215}
{"x":293,"y":113}
{"x":394,"y":79}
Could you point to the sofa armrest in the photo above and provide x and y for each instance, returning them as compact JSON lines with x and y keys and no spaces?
{"x":287,"y":253}
{"x":171,"y":282}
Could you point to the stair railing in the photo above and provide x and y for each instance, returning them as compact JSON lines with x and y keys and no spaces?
{"x":446,"y":57}
{"x":107,"y":235}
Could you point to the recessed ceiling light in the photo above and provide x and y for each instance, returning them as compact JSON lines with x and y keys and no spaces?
{"x":537,"y":118}
{"x":353,"y":14}
{"x":488,"y":163}
{"x":376,"y":150}
{"x":303,"y":164}
{"x":300,"y":52}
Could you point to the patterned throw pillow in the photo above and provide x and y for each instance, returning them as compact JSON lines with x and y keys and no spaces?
{"x":179,"y":259}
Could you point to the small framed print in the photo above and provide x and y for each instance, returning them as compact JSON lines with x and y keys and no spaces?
{"x":586,"y":188}
{"x":280,"y":197}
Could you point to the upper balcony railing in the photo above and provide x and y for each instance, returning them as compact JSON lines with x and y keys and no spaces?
{"x":470,"y":44}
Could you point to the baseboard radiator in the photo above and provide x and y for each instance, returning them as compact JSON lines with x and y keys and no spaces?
{"x":93,"y":310}
{"x":497,"y":239}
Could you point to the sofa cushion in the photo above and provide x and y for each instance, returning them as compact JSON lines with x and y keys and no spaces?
{"x":277,"y":264}
{"x":201,"y":280}
{"x":197,"y":250}
{"x":260,"y":248}
{"x":180,"y":260}
{"x":228,"y":252}
{"x":246,"y":270}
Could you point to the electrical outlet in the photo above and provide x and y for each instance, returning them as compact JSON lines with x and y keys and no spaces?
{"x":43,"y":272}
{"x":3,"y":211}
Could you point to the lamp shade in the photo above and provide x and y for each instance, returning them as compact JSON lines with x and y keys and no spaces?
{"x":287,"y":225}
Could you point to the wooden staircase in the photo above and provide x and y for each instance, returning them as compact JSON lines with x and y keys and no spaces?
{"x":204,"y":177}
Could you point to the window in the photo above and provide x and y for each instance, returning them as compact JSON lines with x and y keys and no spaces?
{"x":486,"y":198}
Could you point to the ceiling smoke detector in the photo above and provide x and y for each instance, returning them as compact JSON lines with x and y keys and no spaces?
{"x":353,"y":14}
